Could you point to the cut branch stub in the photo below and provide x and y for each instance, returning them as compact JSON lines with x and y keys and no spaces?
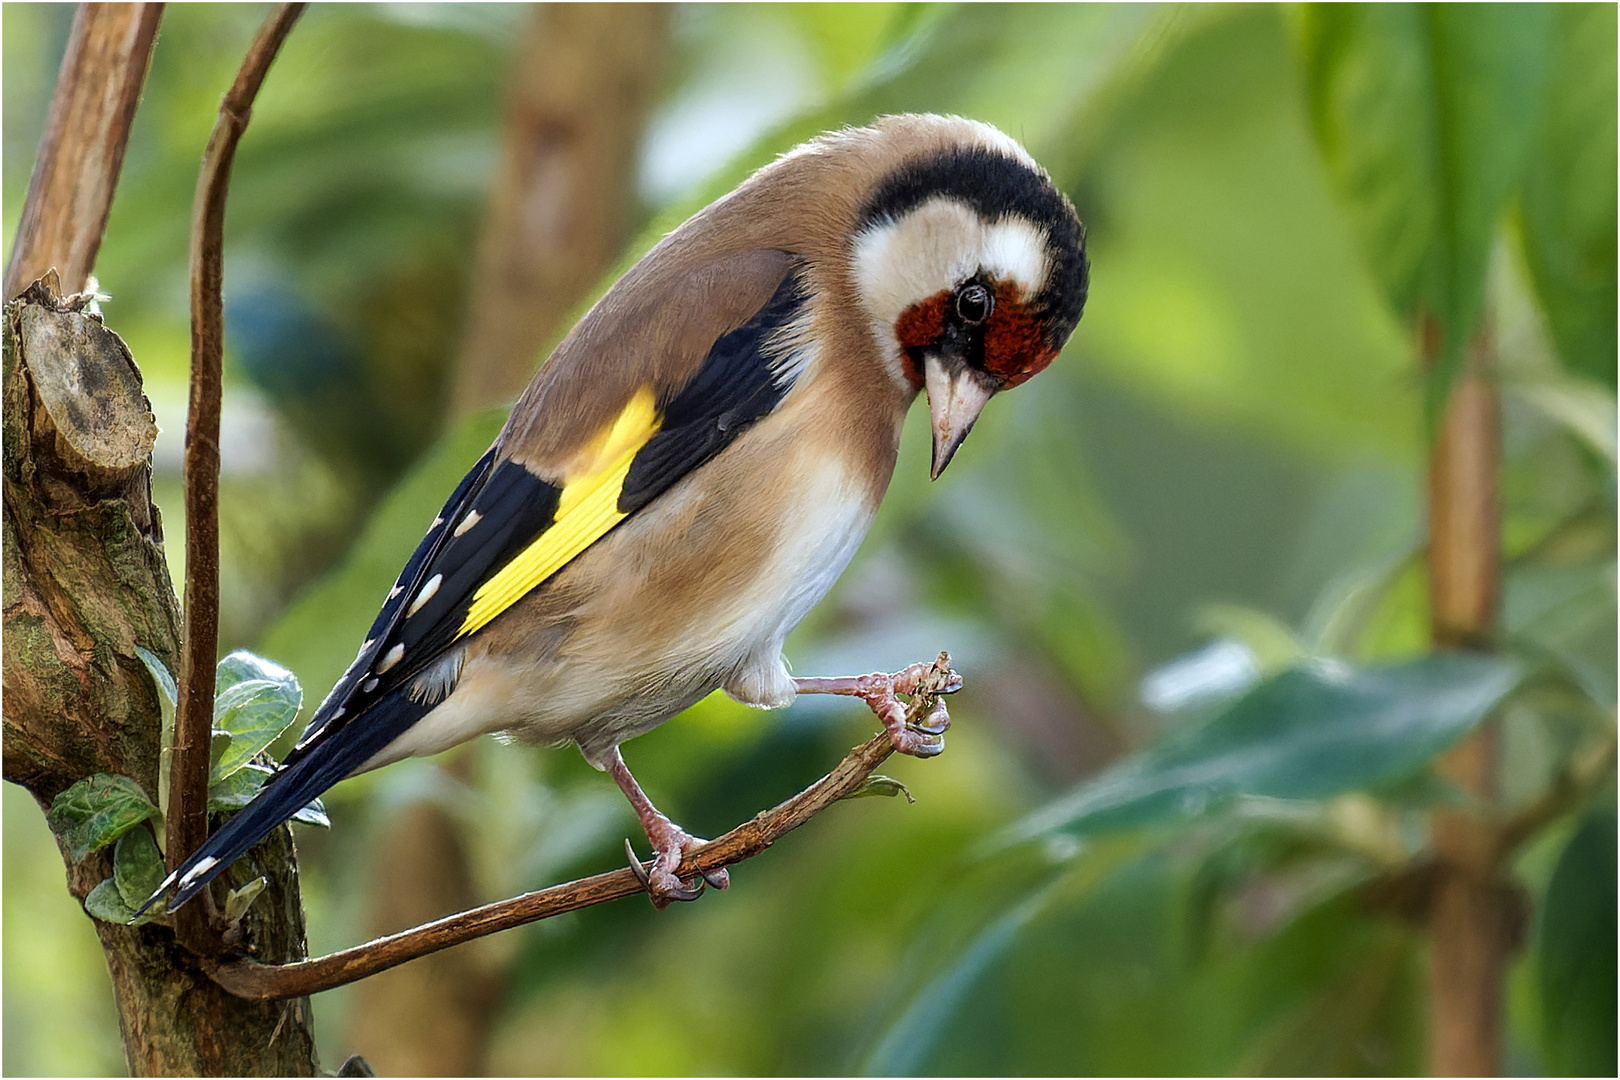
{"x":87,"y":388}
{"x":76,"y":697}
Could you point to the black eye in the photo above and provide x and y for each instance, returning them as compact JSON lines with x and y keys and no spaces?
{"x":974,"y":304}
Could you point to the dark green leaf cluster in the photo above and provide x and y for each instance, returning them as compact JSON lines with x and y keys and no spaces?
{"x":256,"y":701}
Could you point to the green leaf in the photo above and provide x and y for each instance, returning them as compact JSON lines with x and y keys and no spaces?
{"x":1585,"y":409}
{"x":1426,"y":116}
{"x":137,"y":867}
{"x":1568,"y":209}
{"x":1309,"y":733}
{"x":881,"y":785}
{"x":97,"y":811}
{"x":252,"y":712}
{"x":237,"y":790}
{"x":915,"y":1034}
{"x":167,"y":695}
{"x":137,"y":872}
{"x":107,"y":904}
{"x":1577,"y":950}
{"x":958,"y":965}
{"x":239,"y":900}
{"x":1367,"y":82}
{"x":1273,"y":644}
{"x":242,"y":665}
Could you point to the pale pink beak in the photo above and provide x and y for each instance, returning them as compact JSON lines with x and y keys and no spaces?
{"x":956,"y":396}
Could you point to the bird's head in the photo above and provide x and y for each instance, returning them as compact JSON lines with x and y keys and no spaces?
{"x":972,"y":267}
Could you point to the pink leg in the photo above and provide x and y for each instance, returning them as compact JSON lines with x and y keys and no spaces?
{"x":924,"y":739}
{"x":670,"y":844}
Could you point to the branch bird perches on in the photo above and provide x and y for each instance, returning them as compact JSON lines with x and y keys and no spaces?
{"x":249,"y":979}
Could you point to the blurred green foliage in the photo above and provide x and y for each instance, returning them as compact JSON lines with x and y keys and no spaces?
{"x":1208,"y":513}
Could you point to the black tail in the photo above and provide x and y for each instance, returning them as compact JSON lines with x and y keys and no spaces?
{"x":289,"y":791}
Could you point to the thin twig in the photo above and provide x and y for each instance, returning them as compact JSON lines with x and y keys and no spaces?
{"x":1589,"y":769}
{"x":188,"y":800}
{"x":82,"y":150}
{"x":248,"y":979}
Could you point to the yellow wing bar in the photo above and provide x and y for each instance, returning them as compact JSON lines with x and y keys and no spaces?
{"x":587,"y":509}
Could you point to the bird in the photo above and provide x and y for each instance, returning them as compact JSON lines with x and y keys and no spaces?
{"x":695,"y":464}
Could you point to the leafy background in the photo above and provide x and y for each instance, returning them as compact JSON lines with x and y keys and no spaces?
{"x":1183,"y":577}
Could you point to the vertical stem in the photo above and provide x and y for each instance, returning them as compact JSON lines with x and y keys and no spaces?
{"x":82,"y":150}
{"x":188,"y":800}
{"x":1469,"y":920}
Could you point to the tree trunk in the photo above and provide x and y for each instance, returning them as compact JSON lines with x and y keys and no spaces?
{"x":85,"y":581}
{"x":1472,"y":910}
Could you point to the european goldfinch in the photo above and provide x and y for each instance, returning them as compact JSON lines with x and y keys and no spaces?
{"x":697,"y":462}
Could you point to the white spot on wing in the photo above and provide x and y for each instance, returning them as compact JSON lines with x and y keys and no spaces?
{"x":392,"y":657}
{"x":425,"y":594}
{"x":368,"y":686}
{"x":198,"y":871}
{"x":472,"y":518}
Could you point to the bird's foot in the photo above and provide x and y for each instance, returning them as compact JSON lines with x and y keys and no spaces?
{"x":916,"y":727}
{"x":671,"y":844}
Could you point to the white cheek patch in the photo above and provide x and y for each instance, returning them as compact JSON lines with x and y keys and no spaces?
{"x":934,"y":248}
{"x":898,"y":263}
{"x":1014,"y":250}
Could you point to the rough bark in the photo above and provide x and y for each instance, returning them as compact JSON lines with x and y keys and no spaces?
{"x":564,"y":197}
{"x":82,"y":151}
{"x":85,"y":581}
{"x":1473,"y":910}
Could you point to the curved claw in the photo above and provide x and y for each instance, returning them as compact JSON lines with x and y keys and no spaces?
{"x":910,"y":741}
{"x":680,"y":892}
{"x":937,"y":722}
{"x":635,"y":865}
{"x":663,"y":887}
